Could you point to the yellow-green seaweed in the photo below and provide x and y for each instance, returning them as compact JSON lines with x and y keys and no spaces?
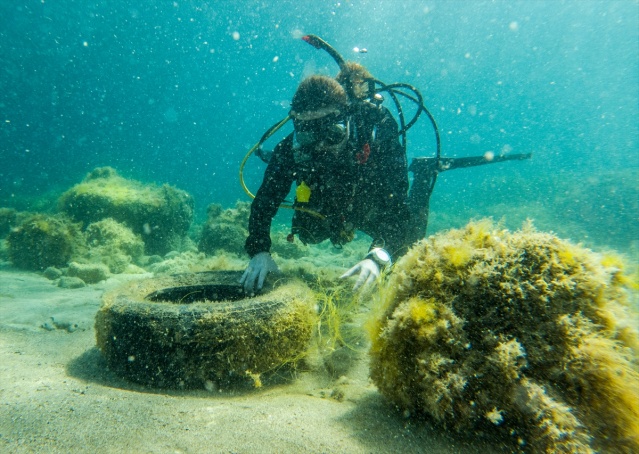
{"x":161,"y":215}
{"x":41,"y":241}
{"x":225,"y":230}
{"x":517,"y":332}
{"x":113,"y":244}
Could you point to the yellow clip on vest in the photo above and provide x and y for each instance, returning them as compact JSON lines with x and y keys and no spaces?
{"x":303,"y":193}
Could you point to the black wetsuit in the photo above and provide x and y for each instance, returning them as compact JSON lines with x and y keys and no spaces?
{"x":364,"y":189}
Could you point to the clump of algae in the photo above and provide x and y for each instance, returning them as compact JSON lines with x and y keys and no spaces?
{"x":42,"y":240}
{"x":160,"y":215}
{"x":519,"y":332}
{"x":339,"y":338}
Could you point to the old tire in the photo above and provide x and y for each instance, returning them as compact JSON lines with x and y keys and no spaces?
{"x":199,"y":330}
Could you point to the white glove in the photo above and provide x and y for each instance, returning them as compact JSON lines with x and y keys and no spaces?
{"x":258,"y":268}
{"x":368,"y":272}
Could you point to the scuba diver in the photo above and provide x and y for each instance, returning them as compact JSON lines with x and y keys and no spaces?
{"x":347,"y":156}
{"x":351,"y":174}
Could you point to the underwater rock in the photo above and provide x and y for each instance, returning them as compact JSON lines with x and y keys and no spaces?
{"x":53,"y":323}
{"x":71,"y":282}
{"x":41,"y":241}
{"x":287,"y":249}
{"x":113,"y":244}
{"x":171,"y":255}
{"x":134,"y":269}
{"x":182,"y":263}
{"x":153,"y":259}
{"x":225,"y":229}
{"x":117,"y":263}
{"x":520,"y":333}
{"x":110,"y":233}
{"x":8,"y":219}
{"x":160,"y":215}
{"x":91,"y":273}
{"x":52,"y":273}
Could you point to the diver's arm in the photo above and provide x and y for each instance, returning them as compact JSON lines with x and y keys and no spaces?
{"x":278,"y":178}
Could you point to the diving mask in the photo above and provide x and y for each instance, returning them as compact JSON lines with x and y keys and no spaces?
{"x":329,"y":130}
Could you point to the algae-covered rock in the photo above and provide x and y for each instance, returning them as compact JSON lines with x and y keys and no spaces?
{"x":114,"y":244}
{"x":52,"y":273}
{"x":112,"y":234}
{"x":71,"y":282}
{"x":41,"y":241}
{"x":285,"y":247}
{"x":91,"y":273}
{"x":8,"y":219}
{"x":523,"y":333}
{"x":225,"y":229}
{"x":160,"y":215}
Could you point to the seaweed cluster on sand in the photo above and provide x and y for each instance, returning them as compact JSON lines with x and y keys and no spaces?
{"x":105,"y":220}
{"x":41,"y":241}
{"x":514,"y":332}
{"x":161,"y":215}
{"x":225,"y":230}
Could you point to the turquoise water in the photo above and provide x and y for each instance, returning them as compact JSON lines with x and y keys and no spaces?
{"x":176,"y":92}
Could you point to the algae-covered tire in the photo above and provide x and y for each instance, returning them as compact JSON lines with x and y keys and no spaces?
{"x":200,"y":330}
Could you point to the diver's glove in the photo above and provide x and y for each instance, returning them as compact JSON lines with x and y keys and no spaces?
{"x":368,"y":272}
{"x":258,"y":268}
{"x":369,"y":268}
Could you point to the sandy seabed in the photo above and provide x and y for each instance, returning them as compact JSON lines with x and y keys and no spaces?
{"x":56,"y":395}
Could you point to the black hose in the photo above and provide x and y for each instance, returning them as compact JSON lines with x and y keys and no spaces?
{"x":400,"y":112}
{"x":417,"y":99}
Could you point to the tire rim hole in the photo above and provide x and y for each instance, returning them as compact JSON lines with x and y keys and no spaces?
{"x":188,"y":294}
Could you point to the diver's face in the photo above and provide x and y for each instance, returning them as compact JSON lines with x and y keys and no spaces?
{"x":360,"y":87}
{"x":325,"y":132}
